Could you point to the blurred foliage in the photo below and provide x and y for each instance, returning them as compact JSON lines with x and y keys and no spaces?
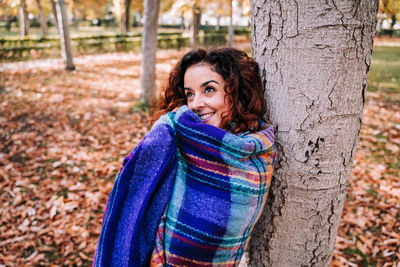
{"x":389,"y":9}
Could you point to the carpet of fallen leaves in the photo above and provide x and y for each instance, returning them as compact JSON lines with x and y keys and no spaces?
{"x":64,"y":134}
{"x":369,"y":233}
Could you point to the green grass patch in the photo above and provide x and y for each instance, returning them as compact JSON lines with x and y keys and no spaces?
{"x":371,"y":191}
{"x":138,"y":107}
{"x":384,"y":73}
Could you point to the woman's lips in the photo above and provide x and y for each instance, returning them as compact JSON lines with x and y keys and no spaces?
{"x":206,"y":117}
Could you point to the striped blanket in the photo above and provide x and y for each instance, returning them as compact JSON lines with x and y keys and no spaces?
{"x":188,"y":194}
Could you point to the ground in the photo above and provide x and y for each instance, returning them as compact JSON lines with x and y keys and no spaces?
{"x":64,"y":135}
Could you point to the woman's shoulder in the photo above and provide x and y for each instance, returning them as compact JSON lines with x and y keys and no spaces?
{"x":165,"y":120}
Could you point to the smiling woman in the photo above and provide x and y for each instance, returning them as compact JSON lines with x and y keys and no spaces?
{"x":205,"y":94}
{"x":238,"y":81}
{"x":191,"y":192}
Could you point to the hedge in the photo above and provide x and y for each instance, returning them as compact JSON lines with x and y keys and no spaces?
{"x":18,"y":48}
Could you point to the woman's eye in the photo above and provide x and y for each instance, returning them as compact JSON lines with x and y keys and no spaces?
{"x":189,"y":95}
{"x":209,"y":89}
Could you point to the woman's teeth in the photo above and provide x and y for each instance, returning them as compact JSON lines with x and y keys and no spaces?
{"x":206,"y":116}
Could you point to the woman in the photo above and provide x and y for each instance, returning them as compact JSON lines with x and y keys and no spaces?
{"x":190,"y":193}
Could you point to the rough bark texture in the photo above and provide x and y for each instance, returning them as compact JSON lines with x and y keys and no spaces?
{"x":23,"y":18}
{"x":314,"y":58}
{"x":64,"y":35}
{"x":149,"y":47}
{"x":43,"y":23}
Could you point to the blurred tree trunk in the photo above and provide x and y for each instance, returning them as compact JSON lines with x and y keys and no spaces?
{"x":54,"y":11}
{"x":182,"y":20}
{"x":43,"y":22}
{"x":149,"y":48}
{"x":394,"y":20}
{"x":126,"y":17}
{"x":24,"y":20}
{"x":314,"y":57}
{"x":230,"y":28}
{"x":194,"y":30}
{"x":66,"y":47}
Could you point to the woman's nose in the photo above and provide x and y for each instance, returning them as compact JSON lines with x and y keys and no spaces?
{"x":198,"y":102}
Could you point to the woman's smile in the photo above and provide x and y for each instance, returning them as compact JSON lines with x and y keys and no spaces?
{"x":206,"y":117}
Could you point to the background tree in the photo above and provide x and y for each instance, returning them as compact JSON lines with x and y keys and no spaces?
{"x":9,"y":7}
{"x":54,"y":12}
{"x":89,"y":9}
{"x":230,"y":28}
{"x":42,"y":17}
{"x":66,"y":47}
{"x":196,"y":23}
{"x":222,"y":8}
{"x":388,"y":9}
{"x":149,"y":47}
{"x":126,"y":16}
{"x":120,"y":13}
{"x":314,"y":58}
{"x":122,"y":10}
{"x":23,"y":21}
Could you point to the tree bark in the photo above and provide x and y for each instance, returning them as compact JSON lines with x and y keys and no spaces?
{"x":24,"y":21}
{"x":54,"y":11}
{"x":149,"y":47}
{"x":43,"y":23}
{"x":314,"y":58}
{"x":194,"y":30}
{"x":66,"y":47}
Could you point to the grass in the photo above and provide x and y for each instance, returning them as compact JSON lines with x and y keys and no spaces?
{"x":384,"y":73}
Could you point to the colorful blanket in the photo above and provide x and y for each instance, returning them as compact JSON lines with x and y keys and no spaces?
{"x":189,"y":194}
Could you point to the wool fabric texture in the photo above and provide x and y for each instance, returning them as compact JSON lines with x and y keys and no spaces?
{"x":188,"y":195}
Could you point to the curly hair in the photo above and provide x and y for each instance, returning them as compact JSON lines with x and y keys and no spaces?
{"x":243,"y":87}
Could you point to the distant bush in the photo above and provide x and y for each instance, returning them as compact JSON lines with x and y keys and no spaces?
{"x":22,"y":48}
{"x":388,"y":32}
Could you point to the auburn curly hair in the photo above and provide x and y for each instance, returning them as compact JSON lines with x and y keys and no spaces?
{"x":243,"y":87}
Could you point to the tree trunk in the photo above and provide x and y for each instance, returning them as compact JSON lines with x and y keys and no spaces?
{"x":149,"y":47}
{"x":230,"y":28}
{"x":127,"y":15}
{"x":24,"y":21}
{"x":54,"y":11}
{"x":64,"y":35}
{"x":43,"y":23}
{"x":218,"y":22}
{"x":314,"y":58}
{"x":182,"y":20}
{"x":393,"y":18}
{"x":194,"y":30}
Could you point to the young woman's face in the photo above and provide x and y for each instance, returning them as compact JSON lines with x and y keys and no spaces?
{"x":204,"y":90}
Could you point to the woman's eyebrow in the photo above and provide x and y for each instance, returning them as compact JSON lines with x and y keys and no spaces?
{"x":202,"y":85}
{"x":207,"y":82}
